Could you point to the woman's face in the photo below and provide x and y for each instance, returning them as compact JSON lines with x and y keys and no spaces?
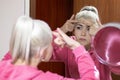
{"x":82,"y":30}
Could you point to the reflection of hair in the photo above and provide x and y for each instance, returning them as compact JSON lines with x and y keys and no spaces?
{"x":90,"y":8}
{"x":88,"y":12}
{"x":27,"y":37}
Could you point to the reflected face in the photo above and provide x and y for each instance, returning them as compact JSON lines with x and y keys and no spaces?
{"x":82,"y":30}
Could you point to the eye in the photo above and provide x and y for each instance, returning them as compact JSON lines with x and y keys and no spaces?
{"x":88,"y":28}
{"x":79,"y":26}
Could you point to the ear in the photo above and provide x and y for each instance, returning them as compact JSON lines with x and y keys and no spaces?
{"x":42,"y":54}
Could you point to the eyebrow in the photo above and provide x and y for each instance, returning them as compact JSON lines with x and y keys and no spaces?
{"x":82,"y":24}
{"x":87,"y":26}
{"x":79,"y":24}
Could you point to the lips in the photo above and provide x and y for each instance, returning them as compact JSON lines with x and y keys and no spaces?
{"x":82,"y":39}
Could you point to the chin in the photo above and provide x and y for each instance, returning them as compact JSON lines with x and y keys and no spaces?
{"x":83,"y":43}
{"x":86,"y":45}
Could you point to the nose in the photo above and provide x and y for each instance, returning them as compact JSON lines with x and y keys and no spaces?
{"x":83,"y":33}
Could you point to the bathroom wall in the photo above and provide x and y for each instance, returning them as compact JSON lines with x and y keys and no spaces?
{"x":10,"y":10}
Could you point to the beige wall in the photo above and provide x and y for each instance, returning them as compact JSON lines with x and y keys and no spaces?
{"x":10,"y":10}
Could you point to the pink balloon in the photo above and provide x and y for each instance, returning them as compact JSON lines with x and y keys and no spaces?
{"x":107,"y":46}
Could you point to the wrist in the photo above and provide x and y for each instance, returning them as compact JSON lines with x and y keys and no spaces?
{"x":75,"y":45}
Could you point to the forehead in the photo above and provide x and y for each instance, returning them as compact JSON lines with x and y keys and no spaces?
{"x":85,"y":21}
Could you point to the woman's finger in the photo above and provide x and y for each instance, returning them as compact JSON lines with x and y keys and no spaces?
{"x":65,"y":37}
{"x":55,"y":34}
{"x":72,"y":17}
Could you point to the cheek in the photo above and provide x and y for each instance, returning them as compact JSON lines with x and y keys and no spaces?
{"x":77,"y":32}
{"x":88,"y":37}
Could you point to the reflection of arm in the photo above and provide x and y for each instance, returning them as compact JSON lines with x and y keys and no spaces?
{"x":86,"y":66}
{"x":59,"y":54}
{"x":68,"y":26}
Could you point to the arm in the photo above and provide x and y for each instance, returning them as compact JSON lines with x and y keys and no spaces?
{"x":59,"y":53}
{"x":68,"y":26}
{"x":86,"y":66}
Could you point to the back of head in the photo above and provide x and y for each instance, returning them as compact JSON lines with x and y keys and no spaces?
{"x":27,"y":36}
{"x":88,"y":12}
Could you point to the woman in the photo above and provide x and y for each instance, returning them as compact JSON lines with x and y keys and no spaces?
{"x":31,"y":43}
{"x":84,"y":27}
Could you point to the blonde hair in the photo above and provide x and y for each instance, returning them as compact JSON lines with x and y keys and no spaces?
{"x":90,"y":8}
{"x":27,"y":37}
{"x":88,"y":12}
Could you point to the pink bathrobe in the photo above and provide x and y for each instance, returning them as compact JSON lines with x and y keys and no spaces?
{"x":85,"y":66}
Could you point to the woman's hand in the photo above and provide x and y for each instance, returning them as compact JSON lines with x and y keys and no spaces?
{"x":63,"y":40}
{"x":69,"y":25}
